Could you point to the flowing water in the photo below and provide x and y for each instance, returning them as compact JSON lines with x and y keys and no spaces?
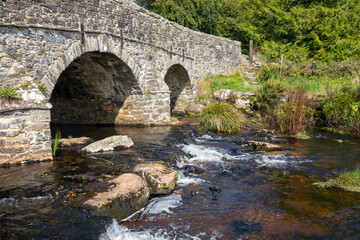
{"x":241,"y":194}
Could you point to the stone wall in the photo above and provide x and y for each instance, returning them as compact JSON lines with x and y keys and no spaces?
{"x":25,"y":134}
{"x":40,"y":39}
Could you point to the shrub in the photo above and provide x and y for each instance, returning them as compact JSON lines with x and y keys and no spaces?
{"x":295,"y":115}
{"x":342,"y":109}
{"x":221,"y":117}
{"x":268,"y":96}
{"x":267,"y":72}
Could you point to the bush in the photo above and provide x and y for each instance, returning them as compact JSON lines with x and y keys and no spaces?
{"x":342,"y":109}
{"x":221,"y":117}
{"x":267,"y":72}
{"x":295,"y":115}
{"x":268,"y":96}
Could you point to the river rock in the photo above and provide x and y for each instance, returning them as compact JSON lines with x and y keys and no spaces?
{"x":109,"y":144}
{"x":74,"y":143}
{"x":129,"y":193}
{"x":242,"y":104}
{"x":161,"y":179}
{"x":196,"y":108}
{"x":193,"y":169}
{"x":264,"y":146}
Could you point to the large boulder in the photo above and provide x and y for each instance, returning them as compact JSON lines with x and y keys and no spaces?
{"x":109,"y":144}
{"x":161,"y":179}
{"x":74,"y":143}
{"x":129,"y":193}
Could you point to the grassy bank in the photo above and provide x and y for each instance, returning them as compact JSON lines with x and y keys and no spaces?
{"x":303,"y":96}
{"x":348,"y":180}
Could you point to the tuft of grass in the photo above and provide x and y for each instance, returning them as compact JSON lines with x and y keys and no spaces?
{"x":41,"y":87}
{"x":56,"y":142}
{"x":221,"y":117}
{"x":25,"y":85}
{"x":147,"y":95}
{"x":8,"y":93}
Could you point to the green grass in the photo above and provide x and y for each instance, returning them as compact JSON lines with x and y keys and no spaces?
{"x":56,"y":142}
{"x":8,"y":93}
{"x":41,"y":87}
{"x":221,"y":117}
{"x":235,"y":82}
{"x":25,"y":85}
{"x":349,"y":179}
{"x":315,"y":83}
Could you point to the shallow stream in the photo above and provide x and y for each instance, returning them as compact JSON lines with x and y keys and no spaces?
{"x":241,"y":194}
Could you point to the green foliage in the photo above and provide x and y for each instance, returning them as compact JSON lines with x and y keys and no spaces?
{"x":8,"y":93}
{"x":25,"y":85}
{"x":56,"y":142}
{"x":342,"y":109}
{"x":348,"y":179}
{"x":301,"y":30}
{"x":41,"y":87}
{"x":314,"y":79}
{"x":147,"y":95}
{"x":235,"y":82}
{"x":267,"y":72}
{"x":268,"y":96}
{"x":201,"y":15}
{"x":221,"y":117}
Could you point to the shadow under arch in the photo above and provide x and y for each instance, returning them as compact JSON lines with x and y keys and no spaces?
{"x":92,"y":89}
{"x":178,"y":81}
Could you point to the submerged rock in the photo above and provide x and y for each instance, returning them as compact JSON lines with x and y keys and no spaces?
{"x":109,"y":144}
{"x":74,"y":143}
{"x":129,"y":194}
{"x":161,"y":179}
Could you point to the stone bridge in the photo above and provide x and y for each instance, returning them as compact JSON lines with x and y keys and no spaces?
{"x":96,"y":62}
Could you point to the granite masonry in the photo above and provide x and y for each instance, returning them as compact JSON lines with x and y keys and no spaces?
{"x":96,"y":62}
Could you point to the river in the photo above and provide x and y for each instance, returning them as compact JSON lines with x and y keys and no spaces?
{"x":241,"y":194}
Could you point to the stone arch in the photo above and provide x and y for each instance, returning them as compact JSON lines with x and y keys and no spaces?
{"x":92,"y":90}
{"x":181,"y":93}
{"x":99,"y":43}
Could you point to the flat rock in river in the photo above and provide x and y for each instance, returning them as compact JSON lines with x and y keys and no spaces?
{"x":129,"y":193}
{"x":109,"y":144}
{"x":161,"y":179}
{"x":74,"y":143}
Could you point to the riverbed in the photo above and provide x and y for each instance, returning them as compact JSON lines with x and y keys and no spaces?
{"x":241,"y":194}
